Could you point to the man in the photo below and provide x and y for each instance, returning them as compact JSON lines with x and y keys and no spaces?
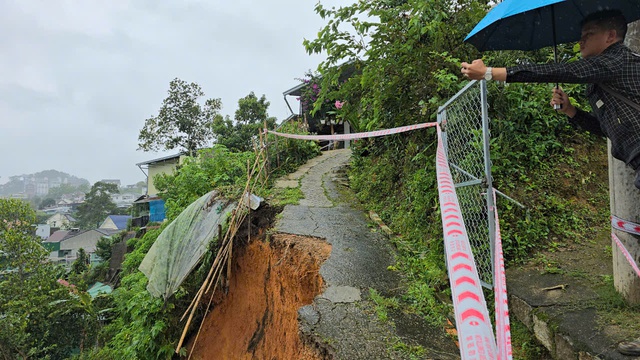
{"x":606,"y":62}
{"x":612,"y":72}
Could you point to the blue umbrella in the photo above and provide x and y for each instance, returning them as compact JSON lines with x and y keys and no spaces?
{"x":534,"y":24}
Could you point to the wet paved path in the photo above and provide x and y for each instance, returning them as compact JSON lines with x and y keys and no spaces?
{"x":342,"y":321}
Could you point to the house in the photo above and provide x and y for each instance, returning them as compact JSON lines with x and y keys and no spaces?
{"x":57,"y":209}
{"x":115,"y":222}
{"x":163,"y":165}
{"x":52,"y":244}
{"x":123,"y":200}
{"x":43,"y":231}
{"x":63,"y":245}
{"x":87,"y":240}
{"x":60,"y":220}
{"x":323,"y":121}
{"x":150,"y":207}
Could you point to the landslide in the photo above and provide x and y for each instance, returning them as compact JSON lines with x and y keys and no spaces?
{"x":272,"y":277}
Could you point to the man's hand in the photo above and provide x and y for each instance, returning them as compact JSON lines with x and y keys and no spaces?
{"x":475,"y":70}
{"x":560,"y":98}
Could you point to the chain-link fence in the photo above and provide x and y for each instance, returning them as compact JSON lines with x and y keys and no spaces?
{"x":465,"y":126}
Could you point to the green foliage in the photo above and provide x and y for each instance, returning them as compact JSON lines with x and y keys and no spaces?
{"x":105,"y":245}
{"x":19,"y":248}
{"x":50,"y":306}
{"x":181,"y":123}
{"x":526,"y":347}
{"x":250,"y":118}
{"x":104,"y":248}
{"x":97,"y":205}
{"x":316,"y":108}
{"x":214,"y":168}
{"x":47,"y":202}
{"x":286,"y":155}
{"x":286,"y":196}
{"x":382,"y":304}
{"x":145,"y":327}
{"x":82,"y":262}
{"x":411,"y":41}
{"x":32,"y":303}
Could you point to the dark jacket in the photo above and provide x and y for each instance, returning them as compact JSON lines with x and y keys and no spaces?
{"x":619,"y":68}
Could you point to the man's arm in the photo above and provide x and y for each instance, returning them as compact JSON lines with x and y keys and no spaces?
{"x":600,"y":68}
{"x":477,"y":69}
{"x":577,"y":117}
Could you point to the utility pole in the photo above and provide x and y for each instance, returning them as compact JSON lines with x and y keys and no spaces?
{"x":625,"y":204}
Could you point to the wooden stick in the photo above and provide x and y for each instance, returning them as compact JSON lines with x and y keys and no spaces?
{"x":206,"y":312}
{"x":204,"y":284}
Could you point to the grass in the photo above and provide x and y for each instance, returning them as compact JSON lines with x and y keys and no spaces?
{"x":382,"y":304}
{"x":286,"y":196}
{"x":525,"y":345}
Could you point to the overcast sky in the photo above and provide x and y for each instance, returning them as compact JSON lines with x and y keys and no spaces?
{"x":78,"y":78}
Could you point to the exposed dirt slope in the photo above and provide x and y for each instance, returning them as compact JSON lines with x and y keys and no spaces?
{"x":258,"y":317}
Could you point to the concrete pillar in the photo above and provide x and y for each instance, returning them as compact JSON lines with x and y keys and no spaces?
{"x":625,"y":204}
{"x":347,"y":130}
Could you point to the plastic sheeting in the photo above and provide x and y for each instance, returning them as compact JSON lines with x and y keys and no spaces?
{"x":181,"y":245}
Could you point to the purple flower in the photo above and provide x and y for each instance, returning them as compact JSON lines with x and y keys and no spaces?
{"x":339,"y":104}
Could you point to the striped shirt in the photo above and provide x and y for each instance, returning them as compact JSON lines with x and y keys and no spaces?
{"x":619,"y":68}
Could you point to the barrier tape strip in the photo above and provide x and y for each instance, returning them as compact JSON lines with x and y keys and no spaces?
{"x":475,"y":332}
{"x":626,"y":254}
{"x":355,"y":136}
{"x":625,"y":225}
{"x":503,"y":326}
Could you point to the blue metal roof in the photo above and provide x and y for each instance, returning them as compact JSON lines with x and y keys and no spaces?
{"x":120,"y":221}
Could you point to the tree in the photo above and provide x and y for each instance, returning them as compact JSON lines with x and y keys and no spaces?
{"x":33,"y":306}
{"x":97,"y":205}
{"x":47,"y":202}
{"x":181,"y":122}
{"x":19,"y":247}
{"x":249,"y":121}
{"x":82,"y":262}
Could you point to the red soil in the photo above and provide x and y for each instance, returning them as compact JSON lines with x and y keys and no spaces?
{"x":257,"y":319}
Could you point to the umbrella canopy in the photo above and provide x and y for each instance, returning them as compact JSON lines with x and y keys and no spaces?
{"x":534,"y":24}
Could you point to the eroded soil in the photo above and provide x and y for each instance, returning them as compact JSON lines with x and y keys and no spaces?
{"x":258,"y":317}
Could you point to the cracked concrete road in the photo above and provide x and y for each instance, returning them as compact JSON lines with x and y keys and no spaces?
{"x":342,"y":320}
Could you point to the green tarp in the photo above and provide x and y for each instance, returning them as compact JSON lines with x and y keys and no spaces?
{"x":181,"y":245}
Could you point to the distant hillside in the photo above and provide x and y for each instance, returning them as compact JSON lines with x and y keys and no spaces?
{"x":40,"y":183}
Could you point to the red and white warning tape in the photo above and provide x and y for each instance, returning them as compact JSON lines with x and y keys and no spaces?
{"x":475,"y":333}
{"x":354,"y":136}
{"x":626,"y":254}
{"x":624,"y":225}
{"x":503,"y":326}
{"x":631,"y":228}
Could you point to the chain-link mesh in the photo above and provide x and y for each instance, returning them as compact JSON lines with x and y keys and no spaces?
{"x":461,"y":121}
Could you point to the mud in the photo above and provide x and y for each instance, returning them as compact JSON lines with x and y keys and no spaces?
{"x":258,"y":317}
